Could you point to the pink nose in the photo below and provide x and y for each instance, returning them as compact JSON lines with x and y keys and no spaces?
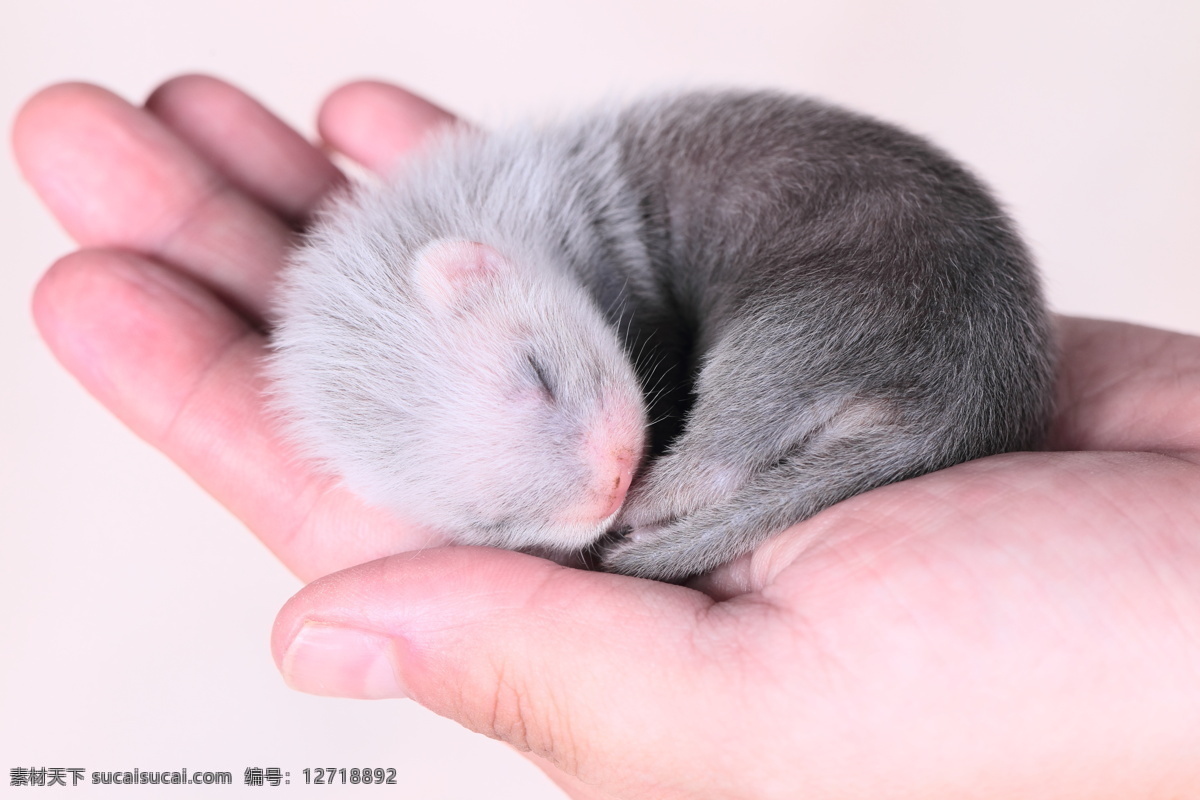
{"x":610,"y":454}
{"x":607,"y":492}
{"x":611,"y":501}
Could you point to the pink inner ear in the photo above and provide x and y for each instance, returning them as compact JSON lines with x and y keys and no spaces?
{"x":449,"y":271}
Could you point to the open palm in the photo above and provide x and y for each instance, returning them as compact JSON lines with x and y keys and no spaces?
{"x":1026,"y":625}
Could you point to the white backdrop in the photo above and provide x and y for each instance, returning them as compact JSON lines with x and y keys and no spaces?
{"x":1083,"y":115}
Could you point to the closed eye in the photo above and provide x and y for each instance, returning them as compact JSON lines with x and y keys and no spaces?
{"x":542,"y":376}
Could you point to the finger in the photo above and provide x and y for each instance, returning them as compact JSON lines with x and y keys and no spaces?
{"x":563,"y":663}
{"x":183,"y":372}
{"x":1127,"y":387}
{"x":246,"y":143}
{"x":376,"y":123}
{"x":117,"y":177}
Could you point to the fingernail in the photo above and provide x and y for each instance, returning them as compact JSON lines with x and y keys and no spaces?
{"x":341,"y":662}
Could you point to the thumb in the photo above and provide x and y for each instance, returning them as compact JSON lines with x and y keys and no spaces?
{"x":591,"y":671}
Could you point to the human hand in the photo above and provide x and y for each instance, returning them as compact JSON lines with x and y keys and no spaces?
{"x":1024,"y":625}
{"x":184,"y":211}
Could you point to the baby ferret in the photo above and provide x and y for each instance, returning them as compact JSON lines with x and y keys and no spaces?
{"x":692,"y":321}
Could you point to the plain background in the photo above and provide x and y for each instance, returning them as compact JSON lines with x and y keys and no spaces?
{"x":134,"y":611}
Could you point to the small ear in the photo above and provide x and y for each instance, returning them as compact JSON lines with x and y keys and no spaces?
{"x":449,"y":272}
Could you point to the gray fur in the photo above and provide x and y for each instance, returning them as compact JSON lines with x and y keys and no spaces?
{"x":814,"y":303}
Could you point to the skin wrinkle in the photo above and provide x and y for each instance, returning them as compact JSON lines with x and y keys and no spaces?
{"x":1188,"y":455}
{"x":308,"y":525}
{"x":246,"y":290}
{"x":838,"y":525}
{"x":214,"y":188}
{"x":1034,"y":492}
{"x":179,"y":238}
{"x":156,"y":284}
{"x":822,"y":670}
{"x":704,"y":642}
{"x":1131,"y":597}
{"x":938,"y":559}
{"x":1180,"y":380}
{"x":1168,"y":575}
{"x":1183,"y":591}
{"x":872,"y":574}
{"x":173,"y":104}
{"x":508,"y":695}
{"x":1118,"y":510}
{"x":192,"y":407}
{"x":925,"y":570}
{"x":564,"y":745}
{"x":516,"y":734}
{"x":739,"y":621}
{"x":560,"y":739}
{"x":1120,"y":386}
{"x":740,"y":639}
{"x":202,"y":380}
{"x":1075,"y":399}
{"x":1143,"y":531}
